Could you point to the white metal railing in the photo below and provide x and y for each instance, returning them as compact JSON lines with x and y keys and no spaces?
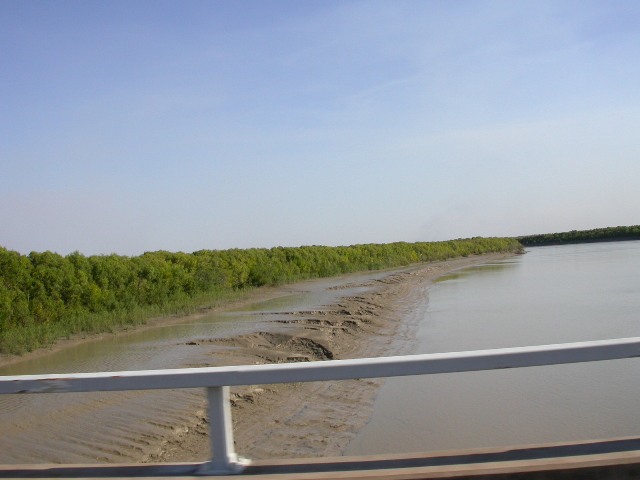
{"x":217,"y":380}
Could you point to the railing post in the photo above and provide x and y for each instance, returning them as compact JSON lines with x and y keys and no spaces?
{"x":224,"y":459}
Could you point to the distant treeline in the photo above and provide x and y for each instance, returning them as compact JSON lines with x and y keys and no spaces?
{"x":609,"y":234}
{"x":46,"y":296}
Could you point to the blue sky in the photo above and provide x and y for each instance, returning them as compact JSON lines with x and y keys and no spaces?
{"x":130,"y":126}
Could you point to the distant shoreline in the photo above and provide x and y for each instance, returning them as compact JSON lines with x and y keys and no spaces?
{"x":596,"y":235}
{"x":577,"y":242}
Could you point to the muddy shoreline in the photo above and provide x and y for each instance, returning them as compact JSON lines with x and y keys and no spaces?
{"x":374,"y":317}
{"x":316,"y":419}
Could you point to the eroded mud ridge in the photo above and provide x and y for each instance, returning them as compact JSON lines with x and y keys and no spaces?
{"x":280,"y":347}
{"x":310,"y":335}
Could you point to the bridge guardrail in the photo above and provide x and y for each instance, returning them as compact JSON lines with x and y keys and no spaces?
{"x":217,"y":380}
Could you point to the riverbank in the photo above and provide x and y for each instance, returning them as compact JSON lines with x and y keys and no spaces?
{"x":362,"y":315}
{"x":316,"y":419}
{"x":241,"y":299}
{"x":47,"y":297}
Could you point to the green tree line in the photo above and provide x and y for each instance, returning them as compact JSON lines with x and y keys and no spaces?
{"x":608,"y":234}
{"x":46,"y":296}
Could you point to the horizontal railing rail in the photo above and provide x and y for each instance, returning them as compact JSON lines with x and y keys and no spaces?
{"x":217,"y":380}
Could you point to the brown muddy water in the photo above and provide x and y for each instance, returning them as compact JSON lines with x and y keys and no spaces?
{"x":129,"y":426}
{"x":550,"y":295}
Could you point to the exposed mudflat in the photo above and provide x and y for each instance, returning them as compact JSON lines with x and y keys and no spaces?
{"x":320,"y":418}
{"x":291,"y":420}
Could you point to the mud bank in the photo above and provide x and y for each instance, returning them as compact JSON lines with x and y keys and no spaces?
{"x":320,"y":418}
{"x":364,"y":315}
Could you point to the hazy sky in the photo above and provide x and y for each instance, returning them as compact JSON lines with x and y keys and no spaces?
{"x":129,"y":126}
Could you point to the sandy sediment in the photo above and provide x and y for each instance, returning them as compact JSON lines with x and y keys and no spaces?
{"x":319,"y":418}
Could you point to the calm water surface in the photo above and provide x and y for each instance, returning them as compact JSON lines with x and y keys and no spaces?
{"x":550,"y":295}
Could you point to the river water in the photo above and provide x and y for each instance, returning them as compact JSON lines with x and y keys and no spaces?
{"x":550,"y":295}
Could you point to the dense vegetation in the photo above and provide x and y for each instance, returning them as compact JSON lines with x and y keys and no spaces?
{"x":46,"y":296}
{"x":609,"y":234}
